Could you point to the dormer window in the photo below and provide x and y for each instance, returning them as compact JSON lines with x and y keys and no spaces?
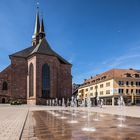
{"x":136,"y":75}
{"x":97,"y":79}
{"x":127,"y":74}
{"x":93,"y":81}
{"x":104,"y":77}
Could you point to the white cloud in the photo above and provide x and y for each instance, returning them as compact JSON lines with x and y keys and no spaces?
{"x":124,"y":59}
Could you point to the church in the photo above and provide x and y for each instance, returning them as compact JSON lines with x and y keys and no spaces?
{"x":36,"y":73}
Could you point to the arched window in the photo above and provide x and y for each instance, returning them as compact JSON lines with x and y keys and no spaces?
{"x":5,"y":86}
{"x":31,"y":80}
{"x":45,"y":81}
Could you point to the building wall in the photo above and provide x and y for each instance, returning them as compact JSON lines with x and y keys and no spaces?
{"x":60,"y":74}
{"x":131,"y":88}
{"x":113,"y":90}
{"x":5,"y":76}
{"x":17,"y":77}
{"x":99,"y":89}
{"x":65,"y":81}
{"x":32,"y":100}
{"x":54,"y":65}
{"x":19,"y":69}
{"x":130,"y":91}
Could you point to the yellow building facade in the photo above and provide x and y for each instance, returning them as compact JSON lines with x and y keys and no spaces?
{"x":112,"y":84}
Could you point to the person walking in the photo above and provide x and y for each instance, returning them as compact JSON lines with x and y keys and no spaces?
{"x":101,"y":103}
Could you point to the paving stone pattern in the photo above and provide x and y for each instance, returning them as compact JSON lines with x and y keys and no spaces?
{"x":11,"y":122}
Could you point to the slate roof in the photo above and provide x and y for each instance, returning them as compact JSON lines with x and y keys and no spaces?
{"x":24,"y":53}
{"x":42,"y":48}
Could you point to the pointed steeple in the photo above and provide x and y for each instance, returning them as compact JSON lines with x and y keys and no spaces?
{"x":42,"y":26}
{"x":42,"y":30}
{"x":35,"y":37}
{"x":37,"y":24}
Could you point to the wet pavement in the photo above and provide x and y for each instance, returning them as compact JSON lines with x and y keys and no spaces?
{"x":79,"y":125}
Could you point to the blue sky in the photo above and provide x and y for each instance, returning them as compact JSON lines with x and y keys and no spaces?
{"x":94,"y":35}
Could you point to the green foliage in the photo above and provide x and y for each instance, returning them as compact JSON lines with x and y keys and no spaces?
{"x":16,"y":102}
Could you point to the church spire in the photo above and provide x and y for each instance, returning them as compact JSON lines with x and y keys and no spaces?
{"x":42,"y":30}
{"x":42,"y":26}
{"x":37,"y":24}
{"x":35,"y":37}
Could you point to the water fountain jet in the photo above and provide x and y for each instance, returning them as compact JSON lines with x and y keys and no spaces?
{"x":88,"y":128}
{"x":121,"y":118}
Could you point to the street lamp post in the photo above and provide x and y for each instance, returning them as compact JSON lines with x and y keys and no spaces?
{"x":135,"y":98}
{"x":96,"y":94}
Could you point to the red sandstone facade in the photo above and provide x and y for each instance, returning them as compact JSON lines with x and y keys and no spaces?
{"x":24,"y":78}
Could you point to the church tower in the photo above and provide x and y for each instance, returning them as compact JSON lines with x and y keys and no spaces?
{"x":49,"y":75}
{"x":39,"y":73}
{"x":35,"y":37}
{"x":39,"y":31}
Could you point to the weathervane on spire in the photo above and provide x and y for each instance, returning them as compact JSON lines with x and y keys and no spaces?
{"x":37,"y":4}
